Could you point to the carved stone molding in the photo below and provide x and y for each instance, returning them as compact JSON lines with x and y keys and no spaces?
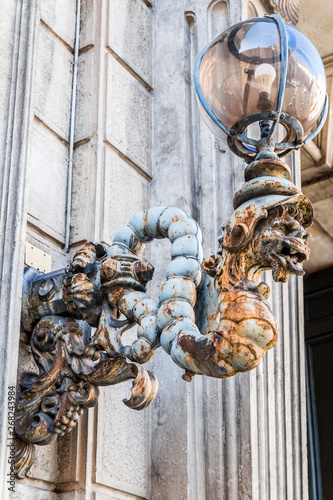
{"x":288,"y":9}
{"x":18,"y":28}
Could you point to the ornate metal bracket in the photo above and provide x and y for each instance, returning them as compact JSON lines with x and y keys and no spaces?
{"x":266,"y":231}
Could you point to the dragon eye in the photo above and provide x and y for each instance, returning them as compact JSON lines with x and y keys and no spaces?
{"x":286,"y":226}
{"x":278,"y":223}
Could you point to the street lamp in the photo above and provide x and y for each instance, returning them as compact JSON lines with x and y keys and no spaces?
{"x":262,"y":72}
{"x":261,"y":87}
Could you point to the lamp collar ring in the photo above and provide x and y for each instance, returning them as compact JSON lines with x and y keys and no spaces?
{"x":247,"y":148}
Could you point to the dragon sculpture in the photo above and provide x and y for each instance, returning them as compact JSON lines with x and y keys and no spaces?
{"x":73,"y":316}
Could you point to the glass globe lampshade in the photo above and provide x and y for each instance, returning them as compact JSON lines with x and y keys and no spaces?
{"x":240,"y":73}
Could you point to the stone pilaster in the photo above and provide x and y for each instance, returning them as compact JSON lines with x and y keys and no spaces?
{"x":18,"y":30}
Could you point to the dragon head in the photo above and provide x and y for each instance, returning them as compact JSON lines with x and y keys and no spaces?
{"x":280,"y":242}
{"x":264,"y":234}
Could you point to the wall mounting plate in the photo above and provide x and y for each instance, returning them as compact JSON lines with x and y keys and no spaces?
{"x":37,"y":258}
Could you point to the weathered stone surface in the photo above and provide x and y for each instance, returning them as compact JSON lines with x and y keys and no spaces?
{"x":84,"y":193}
{"x":53,"y":83}
{"x":85,"y":124}
{"x":89,"y":14}
{"x":112,"y":494}
{"x":176,"y":416}
{"x":319,"y":191}
{"x":29,"y":491}
{"x":130,"y":35}
{"x":217,"y":18}
{"x":17,"y":22}
{"x":122,"y":443}
{"x":68,"y":467}
{"x":321,"y":249}
{"x":128,"y":125}
{"x":125,"y":193}
{"x":47,"y":177}
{"x":324,"y":214}
{"x":60,"y":17}
{"x":311,"y":19}
{"x":45,"y":467}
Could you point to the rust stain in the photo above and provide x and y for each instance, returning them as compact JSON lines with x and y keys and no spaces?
{"x":198,"y":350}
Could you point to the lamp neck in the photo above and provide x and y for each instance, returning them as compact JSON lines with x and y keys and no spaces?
{"x":265,"y":145}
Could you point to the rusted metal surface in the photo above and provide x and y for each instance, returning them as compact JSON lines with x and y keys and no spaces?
{"x":235,"y":325}
{"x":266,"y":232}
{"x":99,"y":285}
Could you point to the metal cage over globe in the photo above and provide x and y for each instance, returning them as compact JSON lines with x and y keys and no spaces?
{"x":261,"y":86}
